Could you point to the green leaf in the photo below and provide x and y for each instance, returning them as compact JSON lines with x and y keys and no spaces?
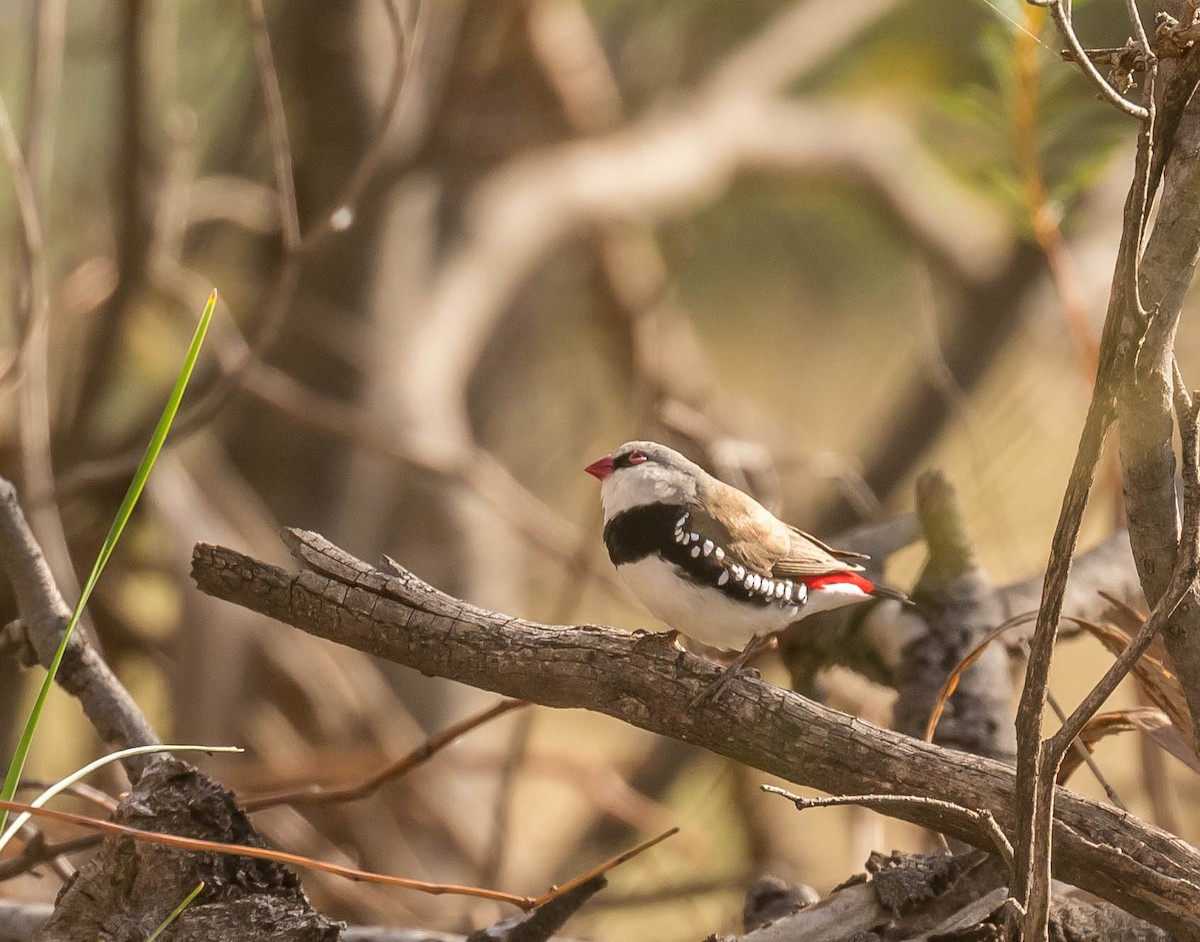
{"x":17,"y":764}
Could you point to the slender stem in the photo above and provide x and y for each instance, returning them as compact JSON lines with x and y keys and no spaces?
{"x":1063,"y":20}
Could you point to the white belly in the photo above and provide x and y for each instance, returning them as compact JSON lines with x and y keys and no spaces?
{"x":700,"y":612}
{"x":712,"y":617}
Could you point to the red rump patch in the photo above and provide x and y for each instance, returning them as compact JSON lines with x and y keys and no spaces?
{"x":840,"y":578}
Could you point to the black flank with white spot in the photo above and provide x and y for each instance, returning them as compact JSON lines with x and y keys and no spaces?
{"x":696,"y":550}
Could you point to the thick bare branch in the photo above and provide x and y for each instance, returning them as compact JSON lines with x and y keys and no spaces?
{"x":642,"y":680}
{"x":1147,"y":393}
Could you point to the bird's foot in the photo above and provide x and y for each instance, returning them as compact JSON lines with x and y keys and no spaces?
{"x":713,"y":690}
{"x":753,"y":647}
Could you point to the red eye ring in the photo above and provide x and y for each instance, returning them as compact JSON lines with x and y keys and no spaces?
{"x":636,"y":457}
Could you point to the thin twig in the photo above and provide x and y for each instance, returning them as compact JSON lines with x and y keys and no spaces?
{"x":984,"y":818}
{"x":263,"y":853}
{"x":1063,"y":20}
{"x":281,"y":151}
{"x":1085,"y":755}
{"x":1037,"y":760}
{"x":315,"y":794}
{"x":603,"y":868}
{"x":1135,"y":18}
{"x":951,"y":683}
{"x":80,"y":790}
{"x":36,"y":853}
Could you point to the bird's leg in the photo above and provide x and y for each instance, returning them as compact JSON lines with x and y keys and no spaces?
{"x":753,"y":647}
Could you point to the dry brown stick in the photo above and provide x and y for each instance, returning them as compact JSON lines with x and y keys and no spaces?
{"x":539,"y":925}
{"x":1085,"y":756}
{"x":951,"y":682}
{"x":350,"y":873}
{"x":263,"y":853}
{"x":316,"y":794}
{"x":80,"y":790}
{"x":643,"y":681}
{"x":601,"y":869}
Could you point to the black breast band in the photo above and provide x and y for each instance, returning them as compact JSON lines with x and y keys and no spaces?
{"x":696,"y":548}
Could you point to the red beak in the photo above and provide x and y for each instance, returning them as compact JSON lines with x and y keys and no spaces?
{"x":600,"y":468}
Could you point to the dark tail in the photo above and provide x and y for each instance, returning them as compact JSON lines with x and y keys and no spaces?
{"x":883,"y":592}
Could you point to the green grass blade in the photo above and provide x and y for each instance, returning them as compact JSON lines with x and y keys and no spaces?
{"x":17,"y":765}
{"x":187,"y":901}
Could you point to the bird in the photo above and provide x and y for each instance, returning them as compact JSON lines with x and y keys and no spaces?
{"x":709,"y":560}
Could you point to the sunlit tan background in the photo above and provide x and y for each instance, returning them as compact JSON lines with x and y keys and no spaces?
{"x":808,"y":243}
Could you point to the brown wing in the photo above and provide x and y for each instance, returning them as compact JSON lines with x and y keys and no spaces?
{"x":839,"y":553}
{"x":766,"y":545}
{"x":809,"y":557}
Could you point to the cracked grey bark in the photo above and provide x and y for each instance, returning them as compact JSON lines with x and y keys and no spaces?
{"x":643,"y":681}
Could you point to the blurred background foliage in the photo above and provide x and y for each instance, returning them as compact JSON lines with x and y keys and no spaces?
{"x":483,"y":294}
